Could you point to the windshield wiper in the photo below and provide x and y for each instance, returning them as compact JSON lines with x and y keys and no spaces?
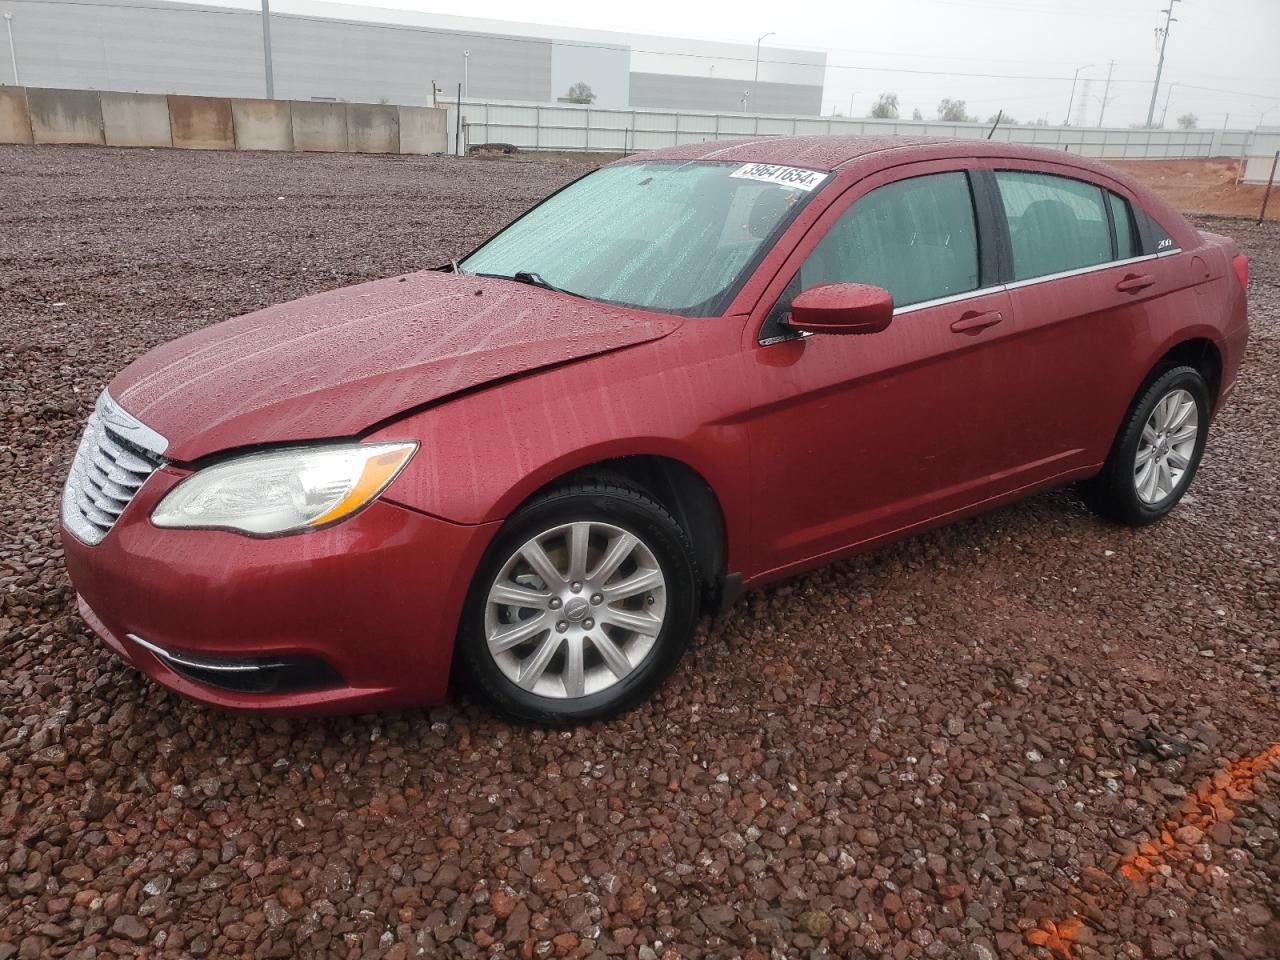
{"x":530,"y":278}
{"x":534,"y":280}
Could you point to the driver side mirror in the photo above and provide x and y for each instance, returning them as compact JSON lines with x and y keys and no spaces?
{"x":842,"y":308}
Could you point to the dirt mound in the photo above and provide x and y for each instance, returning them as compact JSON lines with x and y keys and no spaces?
{"x":1203,"y":186}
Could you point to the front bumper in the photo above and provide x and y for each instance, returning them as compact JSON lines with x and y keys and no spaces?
{"x":375,"y":600}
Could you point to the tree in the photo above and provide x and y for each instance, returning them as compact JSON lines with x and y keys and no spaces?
{"x":1005,"y":120}
{"x":580,"y":93}
{"x":916,"y":114}
{"x":1187,"y":121}
{"x":886,"y":108}
{"x":953,"y":111}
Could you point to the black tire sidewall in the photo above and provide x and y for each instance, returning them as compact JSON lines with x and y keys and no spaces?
{"x":1179,"y":378}
{"x":622,"y":508}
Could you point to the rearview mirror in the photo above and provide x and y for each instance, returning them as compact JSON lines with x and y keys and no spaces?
{"x":842,"y":308}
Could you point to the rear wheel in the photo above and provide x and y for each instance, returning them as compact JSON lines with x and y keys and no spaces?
{"x":582,"y":606}
{"x":1156,"y":454}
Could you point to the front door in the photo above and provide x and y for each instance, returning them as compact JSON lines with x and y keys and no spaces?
{"x":854,"y":438}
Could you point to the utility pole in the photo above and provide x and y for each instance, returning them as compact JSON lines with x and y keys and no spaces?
{"x":1071,"y":102}
{"x":1105,"y":90}
{"x":1164,"y":40}
{"x":266,"y":49}
{"x":755,"y":83}
{"x":466,"y":72}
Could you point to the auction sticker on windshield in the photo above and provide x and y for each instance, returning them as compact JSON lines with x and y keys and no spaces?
{"x":783,"y":176}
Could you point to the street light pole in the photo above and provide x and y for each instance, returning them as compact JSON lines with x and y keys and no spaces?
{"x":1072,"y":102}
{"x":13,"y":54}
{"x":755,"y":82}
{"x":266,"y":49}
{"x":1164,"y":40}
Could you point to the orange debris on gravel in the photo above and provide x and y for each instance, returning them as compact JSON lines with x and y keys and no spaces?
{"x":1057,"y":938}
{"x":1213,"y":801}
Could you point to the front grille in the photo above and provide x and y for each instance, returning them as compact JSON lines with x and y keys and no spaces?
{"x":116,"y":456}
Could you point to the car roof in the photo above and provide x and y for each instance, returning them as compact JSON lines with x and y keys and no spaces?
{"x":828,"y":153}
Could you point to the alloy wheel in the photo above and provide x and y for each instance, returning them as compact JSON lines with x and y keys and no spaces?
{"x":1166,"y":447}
{"x":575,"y":610}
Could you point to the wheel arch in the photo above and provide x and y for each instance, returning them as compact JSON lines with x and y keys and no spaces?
{"x":1198,"y":349}
{"x":1200,"y":353}
{"x":684,"y":492}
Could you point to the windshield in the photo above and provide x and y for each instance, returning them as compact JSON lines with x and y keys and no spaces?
{"x":662,"y":235}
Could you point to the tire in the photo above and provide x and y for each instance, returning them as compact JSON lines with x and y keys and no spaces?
{"x":612,"y":674}
{"x":1121,"y":492}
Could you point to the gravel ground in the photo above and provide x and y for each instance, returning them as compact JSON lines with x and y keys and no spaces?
{"x":1030,"y":734}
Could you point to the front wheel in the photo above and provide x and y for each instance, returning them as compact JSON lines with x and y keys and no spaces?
{"x":1157,"y":452}
{"x":582,"y":606}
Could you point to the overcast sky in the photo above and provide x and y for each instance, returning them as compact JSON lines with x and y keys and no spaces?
{"x":910,"y":47}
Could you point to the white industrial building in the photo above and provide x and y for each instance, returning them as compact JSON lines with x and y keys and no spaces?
{"x":333,"y":51}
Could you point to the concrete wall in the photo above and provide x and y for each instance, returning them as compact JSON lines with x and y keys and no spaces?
{"x":64,"y":116}
{"x":15,"y":120}
{"x":319,"y":126}
{"x":30,"y":115}
{"x":135,"y":120}
{"x":262,"y":124}
{"x":424,"y":130}
{"x":201,"y":123}
{"x":372,"y":128}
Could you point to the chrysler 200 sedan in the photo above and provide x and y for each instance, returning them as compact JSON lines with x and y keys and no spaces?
{"x":685,"y":374}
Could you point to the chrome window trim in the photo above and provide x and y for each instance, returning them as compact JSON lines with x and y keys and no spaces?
{"x":943,"y":301}
{"x":1081,"y":271}
{"x":1003,"y":288}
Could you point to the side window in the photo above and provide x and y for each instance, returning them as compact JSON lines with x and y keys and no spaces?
{"x":1128,"y":243}
{"x":1055,"y":224}
{"x":915,"y":238}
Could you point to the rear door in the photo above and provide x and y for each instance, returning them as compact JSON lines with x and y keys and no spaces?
{"x":856,"y":437}
{"x":1083,"y":287}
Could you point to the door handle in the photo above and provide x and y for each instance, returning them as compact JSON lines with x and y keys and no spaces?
{"x":974,"y":321}
{"x":1135,"y":282}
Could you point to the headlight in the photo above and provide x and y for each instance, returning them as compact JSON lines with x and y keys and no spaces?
{"x":283,"y":491}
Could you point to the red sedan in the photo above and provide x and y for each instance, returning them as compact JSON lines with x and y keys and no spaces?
{"x":688,"y":373}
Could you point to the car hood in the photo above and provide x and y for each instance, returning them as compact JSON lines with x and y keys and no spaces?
{"x":334,"y":364}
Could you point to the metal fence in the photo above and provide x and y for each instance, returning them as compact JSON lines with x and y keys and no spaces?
{"x":573,"y":127}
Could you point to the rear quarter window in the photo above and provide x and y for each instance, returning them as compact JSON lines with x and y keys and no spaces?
{"x":1159,"y":238}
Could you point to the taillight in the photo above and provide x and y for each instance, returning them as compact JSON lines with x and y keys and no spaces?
{"x":1241,"y":263}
